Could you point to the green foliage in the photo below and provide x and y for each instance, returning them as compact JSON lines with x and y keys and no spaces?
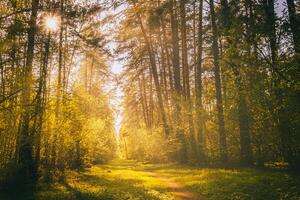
{"x":54,"y":112}
{"x":147,"y":145}
{"x":88,"y":123}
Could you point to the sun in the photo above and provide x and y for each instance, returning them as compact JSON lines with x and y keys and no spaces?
{"x":52,"y":23}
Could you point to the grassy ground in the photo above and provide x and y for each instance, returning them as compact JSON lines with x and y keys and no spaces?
{"x":122,"y":180}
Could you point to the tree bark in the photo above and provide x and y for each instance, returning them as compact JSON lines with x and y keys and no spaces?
{"x":25,"y":150}
{"x":155,"y":77}
{"x":289,"y":148}
{"x":294,"y":24}
{"x":184,"y":53}
{"x":216,"y":58}
{"x":200,"y":127}
{"x":182,"y":154}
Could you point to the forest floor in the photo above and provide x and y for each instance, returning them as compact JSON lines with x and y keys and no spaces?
{"x":121,"y":180}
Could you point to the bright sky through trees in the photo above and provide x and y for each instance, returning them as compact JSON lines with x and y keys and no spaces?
{"x":52,"y":23}
{"x":116,"y":68}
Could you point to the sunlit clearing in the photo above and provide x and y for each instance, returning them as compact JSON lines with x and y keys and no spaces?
{"x":52,"y":23}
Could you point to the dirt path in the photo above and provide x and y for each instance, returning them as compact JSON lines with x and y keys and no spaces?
{"x":177,"y":189}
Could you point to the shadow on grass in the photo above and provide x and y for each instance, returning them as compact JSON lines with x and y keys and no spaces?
{"x":246,"y":184}
{"x":21,"y":190}
{"x":221,"y":183}
{"x":109,"y":189}
{"x":83,"y":187}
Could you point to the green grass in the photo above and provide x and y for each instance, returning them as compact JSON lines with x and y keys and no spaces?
{"x":120,"y":180}
{"x":245,"y":184}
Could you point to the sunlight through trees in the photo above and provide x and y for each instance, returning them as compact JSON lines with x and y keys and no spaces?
{"x":207,"y":83}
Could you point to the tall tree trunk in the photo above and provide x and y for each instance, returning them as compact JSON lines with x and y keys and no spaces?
{"x":184,"y":53}
{"x":243,"y":115}
{"x":143,"y":100}
{"x":59,"y":94}
{"x":175,"y":47}
{"x":25,"y":150}
{"x":155,"y":77}
{"x":163,"y":67}
{"x":290,"y":149}
{"x":177,"y":84}
{"x":216,"y":57}
{"x":39,"y":108}
{"x":245,"y":141}
{"x":186,"y":76}
{"x":165,"y":46}
{"x":200,"y":127}
{"x":294,"y":24}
